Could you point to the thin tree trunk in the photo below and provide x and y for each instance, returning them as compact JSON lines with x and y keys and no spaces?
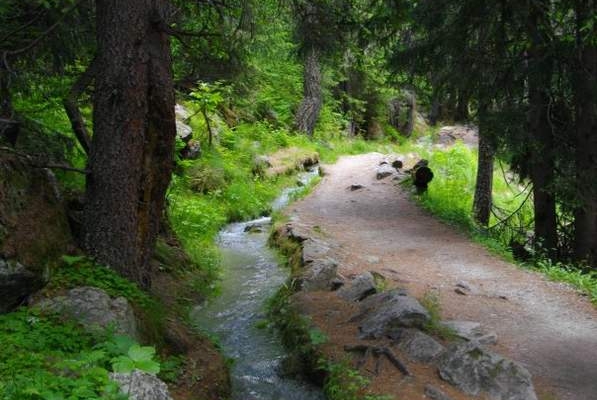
{"x":540,"y":130}
{"x":9,"y":128}
{"x":308,"y":112}
{"x":585,"y":246}
{"x":72,"y":109}
{"x":484,"y":185}
{"x":462,"y":114}
{"x":131,"y":157}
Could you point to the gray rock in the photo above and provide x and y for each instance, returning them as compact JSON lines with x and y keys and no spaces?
{"x":435,"y":394}
{"x":258,"y":225}
{"x":140,"y":385}
{"x":298,"y":232}
{"x":16,"y":284}
{"x":183,"y":131}
{"x":319,"y":275}
{"x":95,"y":309}
{"x":384,"y":171}
{"x":385,"y":311}
{"x":475,"y":370}
{"x":313,"y":249}
{"x":471,"y":331}
{"x":419,"y":346}
{"x":360,"y":288}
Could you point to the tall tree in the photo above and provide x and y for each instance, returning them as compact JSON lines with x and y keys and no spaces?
{"x":542,"y":164}
{"x":131,"y":156}
{"x":585,"y":83}
{"x":320,"y":27}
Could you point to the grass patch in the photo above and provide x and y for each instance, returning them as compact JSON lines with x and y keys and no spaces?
{"x":434,"y":326}
{"x":450,"y":197}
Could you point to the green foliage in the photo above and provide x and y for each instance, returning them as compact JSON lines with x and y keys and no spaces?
{"x":81,"y":271}
{"x":345,"y":383}
{"x":137,"y":357}
{"x":585,"y":281}
{"x":450,"y":198}
{"x":46,"y":358}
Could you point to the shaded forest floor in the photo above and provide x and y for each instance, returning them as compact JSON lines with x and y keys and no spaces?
{"x":548,"y":327}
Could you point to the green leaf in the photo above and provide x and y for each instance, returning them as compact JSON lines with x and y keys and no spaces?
{"x":123,"y":365}
{"x":149,"y":366}
{"x":141,"y":353}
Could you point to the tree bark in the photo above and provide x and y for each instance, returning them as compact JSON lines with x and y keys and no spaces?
{"x":585,"y":246}
{"x":308,"y":112}
{"x":541,"y":135}
{"x":9,"y":128}
{"x":484,"y":185}
{"x":131,"y":156}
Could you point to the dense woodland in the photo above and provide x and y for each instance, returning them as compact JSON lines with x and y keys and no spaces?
{"x":89,"y":89}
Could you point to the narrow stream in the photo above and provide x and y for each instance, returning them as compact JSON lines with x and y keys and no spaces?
{"x":251,"y":276}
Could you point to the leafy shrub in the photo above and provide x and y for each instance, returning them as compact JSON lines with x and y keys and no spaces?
{"x":46,"y":358}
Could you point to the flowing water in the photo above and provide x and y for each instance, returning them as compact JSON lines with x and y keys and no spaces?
{"x":251,"y":276}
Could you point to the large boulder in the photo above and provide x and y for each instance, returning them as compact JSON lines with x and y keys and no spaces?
{"x":475,"y":370}
{"x":34,"y":229}
{"x":16,"y":284}
{"x":95,"y":309}
{"x":140,"y":385}
{"x":387,"y":311}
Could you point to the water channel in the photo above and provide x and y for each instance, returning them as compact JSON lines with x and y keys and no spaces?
{"x":251,"y":276}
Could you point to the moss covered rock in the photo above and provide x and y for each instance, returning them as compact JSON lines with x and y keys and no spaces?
{"x":34,"y":228}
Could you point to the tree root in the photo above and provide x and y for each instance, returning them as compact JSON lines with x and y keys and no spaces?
{"x":377,"y":352}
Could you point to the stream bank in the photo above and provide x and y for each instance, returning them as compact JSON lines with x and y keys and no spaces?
{"x":252,"y":275}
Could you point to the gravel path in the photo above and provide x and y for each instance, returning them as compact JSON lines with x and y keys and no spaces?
{"x":546,"y":326}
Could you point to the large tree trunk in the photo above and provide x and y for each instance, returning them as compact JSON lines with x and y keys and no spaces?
{"x":131,"y":155}
{"x":484,"y":185}
{"x":308,"y":112}
{"x":540,"y":130}
{"x":586,"y":137}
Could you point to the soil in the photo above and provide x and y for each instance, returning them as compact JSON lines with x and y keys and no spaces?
{"x":548,"y":327}
{"x":204,"y":373}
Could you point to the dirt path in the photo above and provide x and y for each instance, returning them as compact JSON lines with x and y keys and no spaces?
{"x":546,"y":326}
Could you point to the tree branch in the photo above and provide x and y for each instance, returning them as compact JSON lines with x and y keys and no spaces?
{"x":72,"y":109}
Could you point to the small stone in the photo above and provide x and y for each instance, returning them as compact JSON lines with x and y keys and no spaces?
{"x":419,"y":346}
{"x":461,"y":292}
{"x":435,"y":394}
{"x":487,"y":340}
{"x":384,"y":171}
{"x":356,"y":187}
{"x":360,"y":288}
